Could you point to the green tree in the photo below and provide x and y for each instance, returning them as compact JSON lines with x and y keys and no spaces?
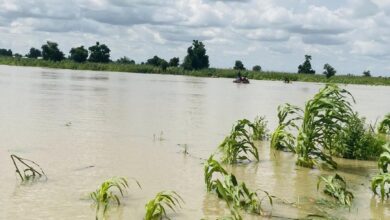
{"x":125,"y":60}
{"x":305,"y":67}
{"x":99,"y":53}
{"x":329,"y":71}
{"x":18,"y":55}
{"x":196,"y":57}
{"x":51,"y":52}
{"x":155,"y":61}
{"x":5,"y":52}
{"x":78,"y":54}
{"x":367,"y":73}
{"x":256,"y":68}
{"x":164,"y":65}
{"x":34,"y":53}
{"x":174,"y":62}
{"x":239,"y":65}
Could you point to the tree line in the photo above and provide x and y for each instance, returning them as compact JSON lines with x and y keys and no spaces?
{"x":195,"y":59}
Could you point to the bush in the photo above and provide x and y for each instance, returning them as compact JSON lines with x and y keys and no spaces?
{"x":356,"y":141}
{"x":256,"y":68}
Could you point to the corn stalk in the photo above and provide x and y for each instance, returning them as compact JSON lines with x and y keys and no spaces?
{"x":384,"y":125}
{"x":156,"y":208}
{"x":236,"y":195}
{"x":382,"y":180}
{"x":107,"y":194}
{"x":27,"y":170}
{"x":323,"y":118}
{"x":336,"y":187}
{"x":238,"y":145}
{"x":282,"y":138}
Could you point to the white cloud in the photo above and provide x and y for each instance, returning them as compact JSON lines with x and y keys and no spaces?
{"x":273,"y":33}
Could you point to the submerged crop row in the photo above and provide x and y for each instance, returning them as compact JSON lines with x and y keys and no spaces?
{"x":325,"y":128}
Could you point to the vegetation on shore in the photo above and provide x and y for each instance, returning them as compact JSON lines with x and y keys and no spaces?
{"x":210,"y":72}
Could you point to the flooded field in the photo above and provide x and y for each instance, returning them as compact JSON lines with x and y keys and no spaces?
{"x":132,"y":125}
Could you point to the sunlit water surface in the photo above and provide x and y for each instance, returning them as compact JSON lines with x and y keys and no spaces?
{"x":131,"y":125}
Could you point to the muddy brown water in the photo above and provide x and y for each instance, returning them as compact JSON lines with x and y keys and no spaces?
{"x":132,"y":125}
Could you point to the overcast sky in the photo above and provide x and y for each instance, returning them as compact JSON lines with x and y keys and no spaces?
{"x":351,"y":35}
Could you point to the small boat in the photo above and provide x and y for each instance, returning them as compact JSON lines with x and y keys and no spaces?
{"x":243,"y":81}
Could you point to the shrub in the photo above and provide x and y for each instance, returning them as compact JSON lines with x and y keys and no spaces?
{"x":356,"y":141}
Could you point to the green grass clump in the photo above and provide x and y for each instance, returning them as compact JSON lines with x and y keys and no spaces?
{"x":239,"y":145}
{"x":336,"y":187}
{"x":382,"y":180}
{"x":156,"y":208}
{"x":358,"y":141}
{"x":107,"y":193}
{"x":324,"y":116}
{"x":282,"y":138}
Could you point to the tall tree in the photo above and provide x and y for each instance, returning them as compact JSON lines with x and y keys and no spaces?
{"x":34,"y":53}
{"x":51,"y":52}
{"x":305,"y":67}
{"x":196,"y":57}
{"x":174,"y":62}
{"x":238,"y":65}
{"x":256,"y":68}
{"x":78,"y":54}
{"x":99,"y":53}
{"x":329,"y":71}
{"x":125,"y":60}
{"x":157,"y":61}
{"x":367,"y":73}
{"x":5,"y":52}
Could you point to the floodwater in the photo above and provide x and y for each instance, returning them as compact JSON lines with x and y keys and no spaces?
{"x":132,"y":125}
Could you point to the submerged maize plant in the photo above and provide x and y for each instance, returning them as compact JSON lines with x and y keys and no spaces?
{"x":282,"y":138}
{"x":384,"y":125}
{"x":259,"y":129}
{"x":238,"y":145}
{"x":212,"y":167}
{"x":27,"y":170}
{"x":336,"y":187}
{"x":236,"y":195}
{"x":107,"y":193}
{"x":324,"y":116}
{"x":382,"y":180}
{"x":156,"y":208}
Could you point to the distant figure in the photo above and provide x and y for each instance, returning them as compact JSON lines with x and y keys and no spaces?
{"x":239,"y":77}
{"x":286,"y":80}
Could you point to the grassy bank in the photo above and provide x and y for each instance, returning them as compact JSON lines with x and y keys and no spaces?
{"x":211,"y":72}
